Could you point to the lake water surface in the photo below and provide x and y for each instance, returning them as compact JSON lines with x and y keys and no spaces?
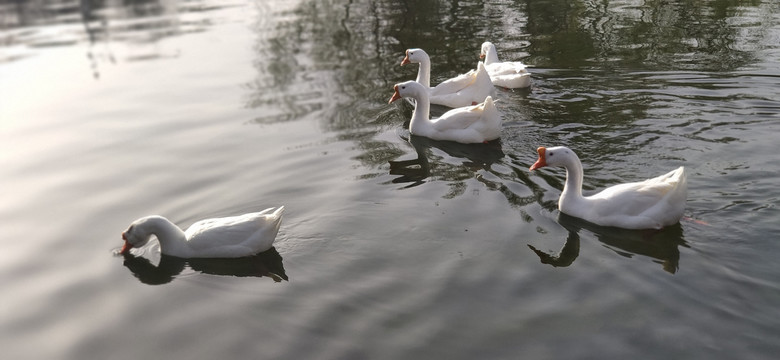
{"x":392,"y":246}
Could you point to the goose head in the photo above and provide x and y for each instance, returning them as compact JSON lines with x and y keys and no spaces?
{"x":415,"y":56}
{"x":489,"y":53}
{"x":407,"y":89}
{"x":554,"y":156}
{"x":486,"y":46}
{"x":137,"y":234}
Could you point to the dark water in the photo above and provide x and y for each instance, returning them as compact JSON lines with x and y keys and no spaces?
{"x":392,"y":247}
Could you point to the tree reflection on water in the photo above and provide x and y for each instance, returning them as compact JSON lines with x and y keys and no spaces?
{"x":335,"y":61}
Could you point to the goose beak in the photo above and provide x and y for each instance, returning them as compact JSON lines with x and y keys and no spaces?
{"x":406,"y":59}
{"x":541,"y":162}
{"x":481,"y":56}
{"x":396,"y":95}
{"x":127,"y":246}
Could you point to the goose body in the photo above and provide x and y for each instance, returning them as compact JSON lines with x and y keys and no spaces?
{"x":471,"y":124}
{"x":508,"y":74}
{"x":228,"y":237}
{"x":466,"y":89}
{"x":650,"y":204}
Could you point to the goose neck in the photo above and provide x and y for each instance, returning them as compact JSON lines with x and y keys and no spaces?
{"x":424,"y":73}
{"x":491,"y":57}
{"x":572,"y":189}
{"x":421,"y":116}
{"x":172,"y":239}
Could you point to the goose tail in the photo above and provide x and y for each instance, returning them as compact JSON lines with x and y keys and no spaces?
{"x":278,"y":212}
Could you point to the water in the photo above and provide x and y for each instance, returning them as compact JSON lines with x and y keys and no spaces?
{"x":392,"y":246}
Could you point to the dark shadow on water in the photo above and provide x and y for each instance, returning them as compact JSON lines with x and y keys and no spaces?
{"x":265,"y":264}
{"x":415,"y":171}
{"x":660,"y":245}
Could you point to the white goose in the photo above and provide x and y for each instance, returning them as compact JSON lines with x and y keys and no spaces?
{"x":467,"y":89}
{"x":471,"y":124}
{"x":650,"y":204}
{"x":508,"y":74}
{"x":229,"y":237}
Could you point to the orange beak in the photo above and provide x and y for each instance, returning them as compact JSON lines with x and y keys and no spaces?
{"x":541,"y":162}
{"x":396,"y":95}
{"x":481,"y":56}
{"x":127,"y":246}
{"x":406,"y":59}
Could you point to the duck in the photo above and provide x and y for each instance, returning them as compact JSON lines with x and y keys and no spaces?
{"x":650,"y":204}
{"x":227,"y":237}
{"x":508,"y":74}
{"x":479,"y":123}
{"x":466,"y":89}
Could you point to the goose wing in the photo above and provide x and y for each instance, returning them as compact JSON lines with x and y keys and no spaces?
{"x":455,"y":84}
{"x":636,"y":198}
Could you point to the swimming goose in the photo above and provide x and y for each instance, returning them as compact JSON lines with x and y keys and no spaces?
{"x":508,"y":74}
{"x":471,"y":124}
{"x":466,"y":89}
{"x":650,"y":204}
{"x":228,"y":237}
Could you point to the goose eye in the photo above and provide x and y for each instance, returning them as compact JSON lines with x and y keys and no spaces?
{"x":551,"y":153}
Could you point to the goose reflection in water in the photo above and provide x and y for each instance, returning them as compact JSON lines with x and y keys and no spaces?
{"x":415,"y":171}
{"x":264,"y":264}
{"x":661,"y":245}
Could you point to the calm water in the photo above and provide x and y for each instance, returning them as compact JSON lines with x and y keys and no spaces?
{"x":392,"y":247}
